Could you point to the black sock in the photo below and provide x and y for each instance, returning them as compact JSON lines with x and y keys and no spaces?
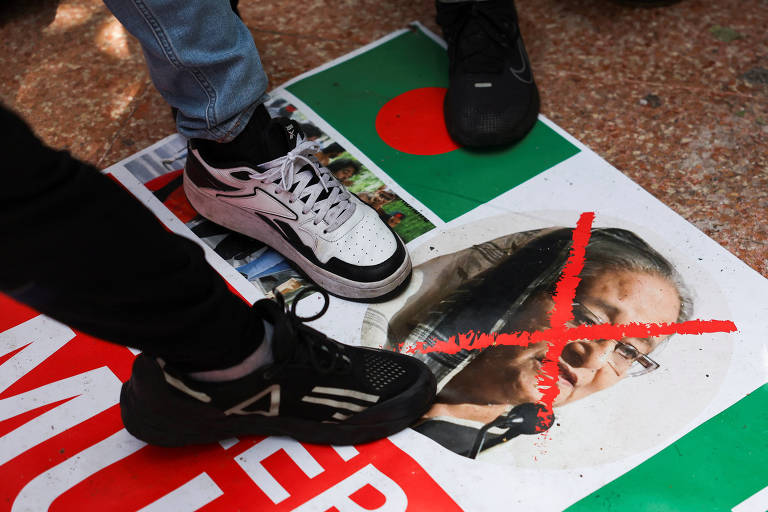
{"x":256,"y":144}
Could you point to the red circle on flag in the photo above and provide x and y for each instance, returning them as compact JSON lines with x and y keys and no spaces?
{"x":413,"y":122}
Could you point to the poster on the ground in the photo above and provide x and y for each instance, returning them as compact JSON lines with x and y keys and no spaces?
{"x":534,"y":255}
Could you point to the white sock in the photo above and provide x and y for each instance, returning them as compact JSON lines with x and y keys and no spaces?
{"x":262,"y":356}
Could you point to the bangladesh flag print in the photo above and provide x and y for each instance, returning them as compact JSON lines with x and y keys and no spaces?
{"x":388,"y":101}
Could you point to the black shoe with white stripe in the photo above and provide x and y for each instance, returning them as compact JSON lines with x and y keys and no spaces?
{"x":492,"y":98}
{"x":295,"y":205}
{"x":316,"y":391}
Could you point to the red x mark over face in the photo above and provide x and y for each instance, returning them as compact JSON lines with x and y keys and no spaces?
{"x":562,"y":329}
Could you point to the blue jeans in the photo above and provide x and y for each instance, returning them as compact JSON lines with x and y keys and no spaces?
{"x":201,"y":58}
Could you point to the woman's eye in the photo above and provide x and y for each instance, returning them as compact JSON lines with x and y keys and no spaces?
{"x":583,"y":319}
{"x":627,"y":351}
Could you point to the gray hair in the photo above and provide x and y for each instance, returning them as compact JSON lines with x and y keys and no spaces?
{"x":619,"y":249}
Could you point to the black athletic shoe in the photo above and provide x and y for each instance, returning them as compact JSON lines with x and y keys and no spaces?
{"x":492,"y":98}
{"x":317,"y":391}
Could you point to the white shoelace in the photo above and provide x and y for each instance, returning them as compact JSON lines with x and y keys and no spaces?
{"x":335,"y":209}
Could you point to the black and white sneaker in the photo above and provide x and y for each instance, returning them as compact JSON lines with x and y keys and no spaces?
{"x":316,"y":391}
{"x":295,"y":205}
{"x":492,"y":98}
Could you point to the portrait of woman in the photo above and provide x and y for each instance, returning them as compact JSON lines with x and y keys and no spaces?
{"x":506,"y":285}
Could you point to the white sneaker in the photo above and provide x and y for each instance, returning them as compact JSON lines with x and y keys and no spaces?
{"x":296,"y":206}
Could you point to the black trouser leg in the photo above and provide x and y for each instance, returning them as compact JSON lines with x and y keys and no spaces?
{"x":76,"y":246}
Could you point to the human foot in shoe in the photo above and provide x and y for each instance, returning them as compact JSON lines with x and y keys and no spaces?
{"x":492,"y":98}
{"x":317,"y":391}
{"x":267,"y":184}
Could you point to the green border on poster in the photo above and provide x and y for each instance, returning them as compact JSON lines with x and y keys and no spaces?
{"x":716,"y":466}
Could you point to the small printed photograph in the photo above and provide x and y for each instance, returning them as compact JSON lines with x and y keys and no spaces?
{"x":167,"y":157}
{"x":616,"y":397}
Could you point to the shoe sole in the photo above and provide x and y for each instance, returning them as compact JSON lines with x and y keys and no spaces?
{"x":232,"y":217}
{"x":160,"y":415}
{"x":473,"y":140}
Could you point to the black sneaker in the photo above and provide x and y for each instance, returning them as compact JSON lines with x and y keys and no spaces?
{"x":492,"y":98}
{"x":267,"y":184}
{"x":316,"y":391}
